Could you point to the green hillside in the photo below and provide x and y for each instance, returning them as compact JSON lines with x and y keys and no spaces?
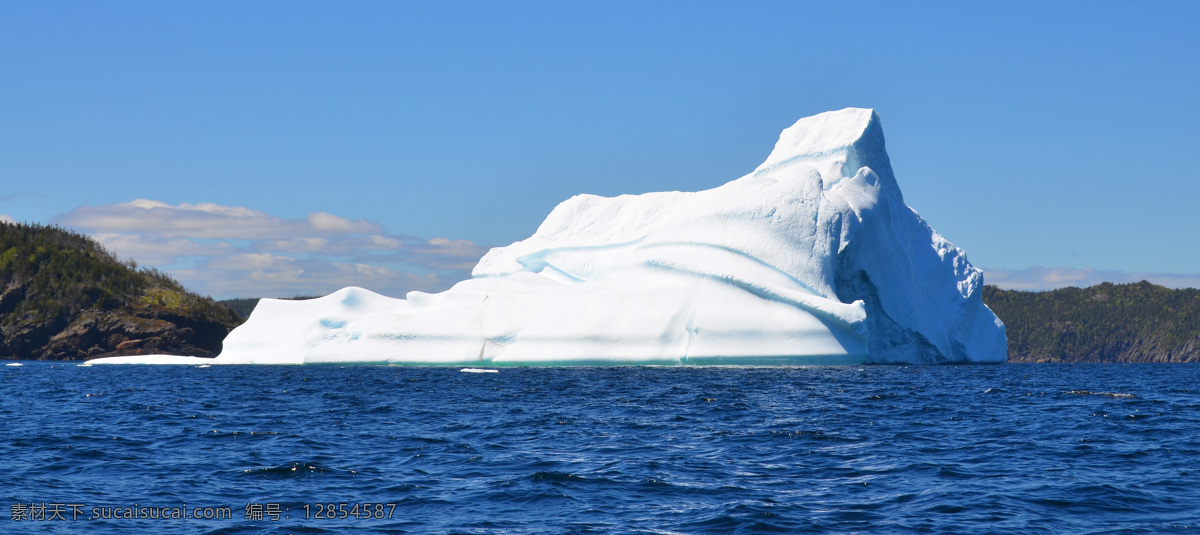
{"x":1140,"y":322}
{"x":63,"y":296}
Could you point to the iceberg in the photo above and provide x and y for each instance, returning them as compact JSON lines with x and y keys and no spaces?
{"x":812,"y":258}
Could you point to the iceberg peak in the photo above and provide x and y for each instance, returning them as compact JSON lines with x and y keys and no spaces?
{"x":835,"y":143}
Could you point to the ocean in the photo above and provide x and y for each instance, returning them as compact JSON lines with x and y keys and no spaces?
{"x":1014,"y":448}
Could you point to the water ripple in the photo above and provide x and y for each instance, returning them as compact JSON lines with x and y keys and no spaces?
{"x":1012,"y":448}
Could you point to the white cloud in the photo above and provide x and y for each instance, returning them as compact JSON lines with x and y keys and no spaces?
{"x":156,"y":251}
{"x":296,"y":245}
{"x":5,"y":218}
{"x":329,"y":223}
{"x":384,"y":242}
{"x":252,"y":261}
{"x":1042,"y":278}
{"x":233,"y":251}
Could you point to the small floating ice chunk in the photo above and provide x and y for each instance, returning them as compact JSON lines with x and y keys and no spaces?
{"x":478,"y":370}
{"x":14,"y":364}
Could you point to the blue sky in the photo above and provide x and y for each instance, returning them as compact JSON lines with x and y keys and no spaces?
{"x":281,"y":148}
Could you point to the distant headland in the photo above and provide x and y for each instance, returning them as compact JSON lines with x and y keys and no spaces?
{"x":64,"y":297}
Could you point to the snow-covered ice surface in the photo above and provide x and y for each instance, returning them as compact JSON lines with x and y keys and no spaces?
{"x":813,"y":258}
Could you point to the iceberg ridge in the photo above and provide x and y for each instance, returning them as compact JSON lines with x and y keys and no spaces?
{"x":813,"y":258}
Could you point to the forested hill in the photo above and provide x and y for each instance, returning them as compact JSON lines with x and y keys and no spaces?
{"x":1139,"y":322}
{"x":64,"y":297}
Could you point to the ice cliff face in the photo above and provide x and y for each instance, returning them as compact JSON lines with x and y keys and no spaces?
{"x":811,"y":259}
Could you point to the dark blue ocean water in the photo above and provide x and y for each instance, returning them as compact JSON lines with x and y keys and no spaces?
{"x":1009,"y":448}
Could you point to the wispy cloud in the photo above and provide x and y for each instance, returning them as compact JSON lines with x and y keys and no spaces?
{"x":207,"y":220}
{"x":277,"y":276}
{"x":229,"y":251}
{"x":23,"y":195}
{"x":1042,"y":278}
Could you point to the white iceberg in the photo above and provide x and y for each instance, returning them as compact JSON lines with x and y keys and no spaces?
{"x":813,"y":258}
